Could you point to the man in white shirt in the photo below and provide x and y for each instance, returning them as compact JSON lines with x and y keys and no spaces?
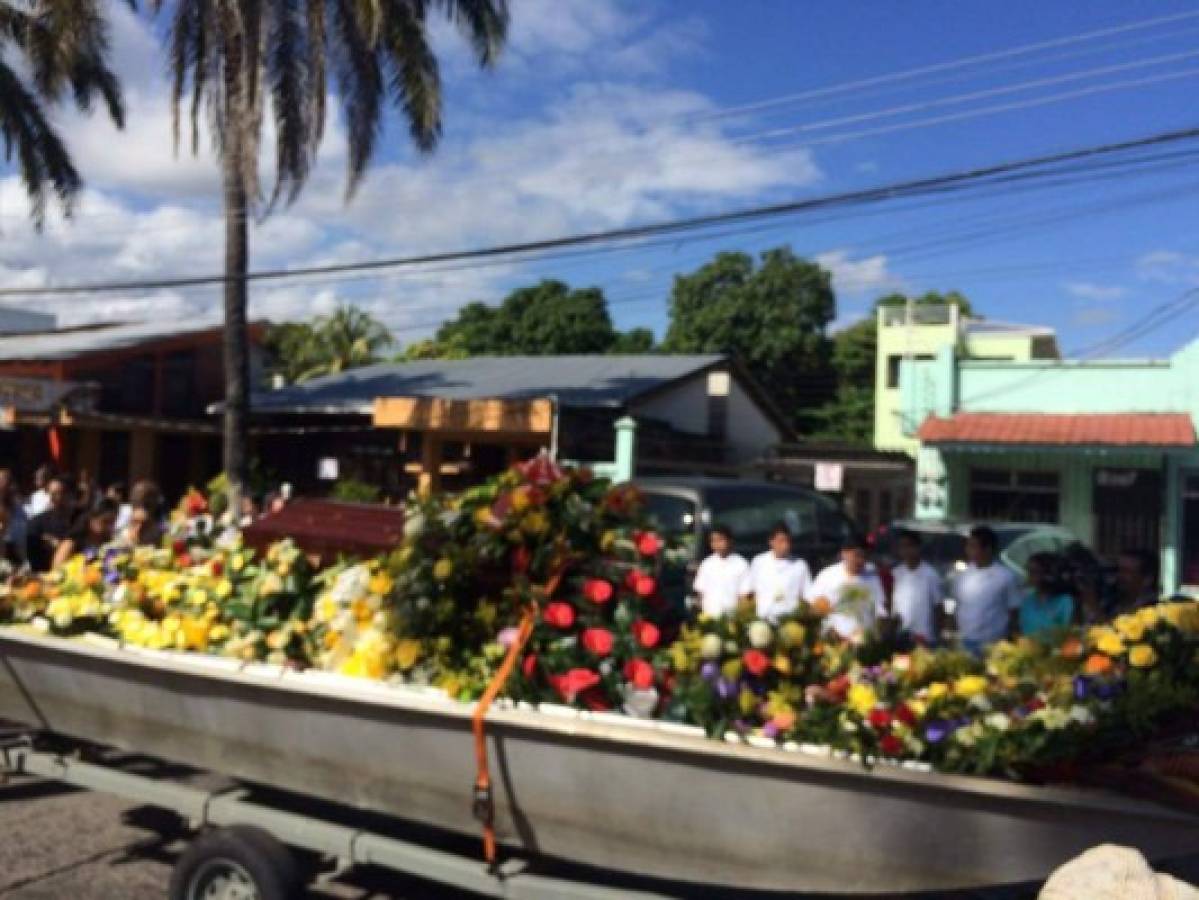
{"x":916,"y":595}
{"x":39,"y":502}
{"x":987,"y":594}
{"x":777,"y":580}
{"x":721,"y":576}
{"x":852,"y":591}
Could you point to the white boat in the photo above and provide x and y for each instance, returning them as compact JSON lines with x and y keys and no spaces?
{"x":596,"y":789}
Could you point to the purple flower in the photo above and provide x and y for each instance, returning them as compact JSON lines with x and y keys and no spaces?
{"x":1082,"y":687}
{"x":90,"y":554}
{"x":112,"y":576}
{"x":709,"y":671}
{"x":936,"y":731}
{"x":507,"y":637}
{"x":725,"y":689}
{"x":770,"y":730}
{"x":1106,"y":690}
{"x":741,"y":726}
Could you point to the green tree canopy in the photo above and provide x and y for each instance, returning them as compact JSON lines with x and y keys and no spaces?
{"x":772,"y":315}
{"x":929,"y":298}
{"x":545,"y":319}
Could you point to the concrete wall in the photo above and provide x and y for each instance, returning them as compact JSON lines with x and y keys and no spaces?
{"x":684,"y":406}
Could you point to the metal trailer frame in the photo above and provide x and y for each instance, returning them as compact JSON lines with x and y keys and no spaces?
{"x":202,"y":809}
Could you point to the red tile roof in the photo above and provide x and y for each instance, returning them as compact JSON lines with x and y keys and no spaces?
{"x":1107,"y":429}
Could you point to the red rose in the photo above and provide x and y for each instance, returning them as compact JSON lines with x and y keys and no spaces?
{"x":541,"y":470}
{"x":645,"y":585}
{"x":528,"y":666}
{"x":1034,"y":704}
{"x":560,"y":615}
{"x":597,"y":590}
{"x":195,"y":504}
{"x":217,"y":568}
{"x":597,"y":641}
{"x":521,"y":559}
{"x":646,"y":633}
{"x":880,"y":719}
{"x":755,"y":662}
{"x":648,"y":544}
{"x":890,"y":745}
{"x":185,"y":560}
{"x":640,"y":673}
{"x":179,"y":548}
{"x":574,"y":683}
{"x":904,"y":713}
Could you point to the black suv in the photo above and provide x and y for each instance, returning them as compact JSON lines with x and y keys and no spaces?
{"x":685,"y":508}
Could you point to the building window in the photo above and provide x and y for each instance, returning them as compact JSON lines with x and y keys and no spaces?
{"x":1014,"y":496}
{"x":893,"y":363}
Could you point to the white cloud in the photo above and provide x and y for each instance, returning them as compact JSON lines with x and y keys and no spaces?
{"x":1168,"y":267}
{"x":1093,"y":316}
{"x":865,"y":275}
{"x":1098,"y":293}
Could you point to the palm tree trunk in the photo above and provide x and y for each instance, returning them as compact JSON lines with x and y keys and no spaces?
{"x":237,"y":339}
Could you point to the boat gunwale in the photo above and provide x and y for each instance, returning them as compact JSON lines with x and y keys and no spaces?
{"x":659,"y":741}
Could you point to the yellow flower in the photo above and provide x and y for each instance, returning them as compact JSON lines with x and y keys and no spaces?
{"x":918,"y":707}
{"x":238,"y":562}
{"x":1130,"y":627}
{"x":747,"y":701}
{"x":223,"y":589}
{"x":1148,"y":616}
{"x":535,"y":523}
{"x":607,"y":541}
{"x":782,"y":664}
{"x":407,"y":653}
{"x":1142,"y":656}
{"x":936,"y":691}
{"x":271,"y":584}
{"x":520,"y":499}
{"x":731,"y":670}
{"x":380,"y":584}
{"x":218,"y":633}
{"x":862,"y":699}
{"x":1110,"y":644}
{"x":969,"y":686}
{"x":791,"y":634}
{"x":443,"y":569}
{"x":486,"y":614}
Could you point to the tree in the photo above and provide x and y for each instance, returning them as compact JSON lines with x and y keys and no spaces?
{"x":240,"y":59}
{"x":633,"y":342}
{"x":347,"y":339}
{"x":546,"y":319}
{"x":929,"y":298}
{"x":772,"y":316}
{"x":62,"y":46}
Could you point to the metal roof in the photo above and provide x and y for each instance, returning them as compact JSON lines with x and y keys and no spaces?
{"x":991,"y":326}
{"x":578,"y":381}
{"x":70,"y":343}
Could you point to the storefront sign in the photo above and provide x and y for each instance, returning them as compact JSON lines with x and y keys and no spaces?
{"x":1116,"y":478}
{"x":829,"y":477}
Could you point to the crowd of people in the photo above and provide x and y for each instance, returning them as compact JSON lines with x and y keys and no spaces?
{"x":981,"y":603}
{"x":64,"y":515}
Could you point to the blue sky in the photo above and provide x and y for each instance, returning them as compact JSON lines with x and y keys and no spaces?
{"x":604,"y":114}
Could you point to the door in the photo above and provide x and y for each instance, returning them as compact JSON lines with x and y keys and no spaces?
{"x":1127,"y":505}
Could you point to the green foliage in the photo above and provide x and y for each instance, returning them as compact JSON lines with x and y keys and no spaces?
{"x":349,"y":490}
{"x":772,"y":316}
{"x":347,"y":339}
{"x":929,"y":298}
{"x":633,"y":341}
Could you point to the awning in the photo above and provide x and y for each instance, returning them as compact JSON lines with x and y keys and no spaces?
{"x":1048,"y":429}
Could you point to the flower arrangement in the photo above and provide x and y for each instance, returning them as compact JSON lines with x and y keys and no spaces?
{"x":574,"y":559}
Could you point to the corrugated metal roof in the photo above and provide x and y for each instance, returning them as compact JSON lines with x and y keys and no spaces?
{"x":579,"y":381}
{"x":68,"y":344}
{"x":1048,"y":429}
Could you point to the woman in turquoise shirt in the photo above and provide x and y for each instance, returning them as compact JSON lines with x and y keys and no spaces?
{"x":1047,"y":606}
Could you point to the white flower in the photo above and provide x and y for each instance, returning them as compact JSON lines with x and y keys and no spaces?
{"x":999,"y":721}
{"x":414,"y":526}
{"x":1081,"y":715}
{"x":731,"y":648}
{"x":759,"y":635}
{"x":639,"y":704}
{"x":980,"y":702}
{"x":710,"y":646}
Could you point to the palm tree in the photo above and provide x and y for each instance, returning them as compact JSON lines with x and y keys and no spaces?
{"x":63,"y":45}
{"x":238,"y":58}
{"x":344,"y":340}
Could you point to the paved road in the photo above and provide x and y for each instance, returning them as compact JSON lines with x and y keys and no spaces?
{"x":58,"y":843}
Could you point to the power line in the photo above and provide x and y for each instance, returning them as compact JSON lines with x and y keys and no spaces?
{"x":1016,"y":170}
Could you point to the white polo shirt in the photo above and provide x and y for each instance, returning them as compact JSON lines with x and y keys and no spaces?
{"x":985,"y":599}
{"x":777,"y":584}
{"x":914,"y":596}
{"x":719,"y":582}
{"x":856,"y":599}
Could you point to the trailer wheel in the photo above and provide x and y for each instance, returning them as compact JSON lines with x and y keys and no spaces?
{"x":236,"y":863}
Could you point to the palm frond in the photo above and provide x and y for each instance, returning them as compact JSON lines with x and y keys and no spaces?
{"x":287,"y":71}
{"x":415,"y":80}
{"x":484,"y":24}
{"x":361,"y":86}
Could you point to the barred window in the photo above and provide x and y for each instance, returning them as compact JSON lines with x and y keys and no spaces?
{"x":1014,"y":496}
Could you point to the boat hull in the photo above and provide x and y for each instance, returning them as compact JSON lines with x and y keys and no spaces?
{"x":588,"y":789}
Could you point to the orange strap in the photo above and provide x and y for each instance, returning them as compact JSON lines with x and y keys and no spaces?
{"x":484,"y":804}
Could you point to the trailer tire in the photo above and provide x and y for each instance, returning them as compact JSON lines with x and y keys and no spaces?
{"x":246,"y":860}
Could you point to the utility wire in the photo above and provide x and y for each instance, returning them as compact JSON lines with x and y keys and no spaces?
{"x":947,"y":183}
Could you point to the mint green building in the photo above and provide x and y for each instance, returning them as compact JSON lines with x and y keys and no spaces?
{"x":1105,"y":448}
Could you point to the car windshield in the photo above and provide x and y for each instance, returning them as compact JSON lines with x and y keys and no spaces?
{"x":750,"y":513}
